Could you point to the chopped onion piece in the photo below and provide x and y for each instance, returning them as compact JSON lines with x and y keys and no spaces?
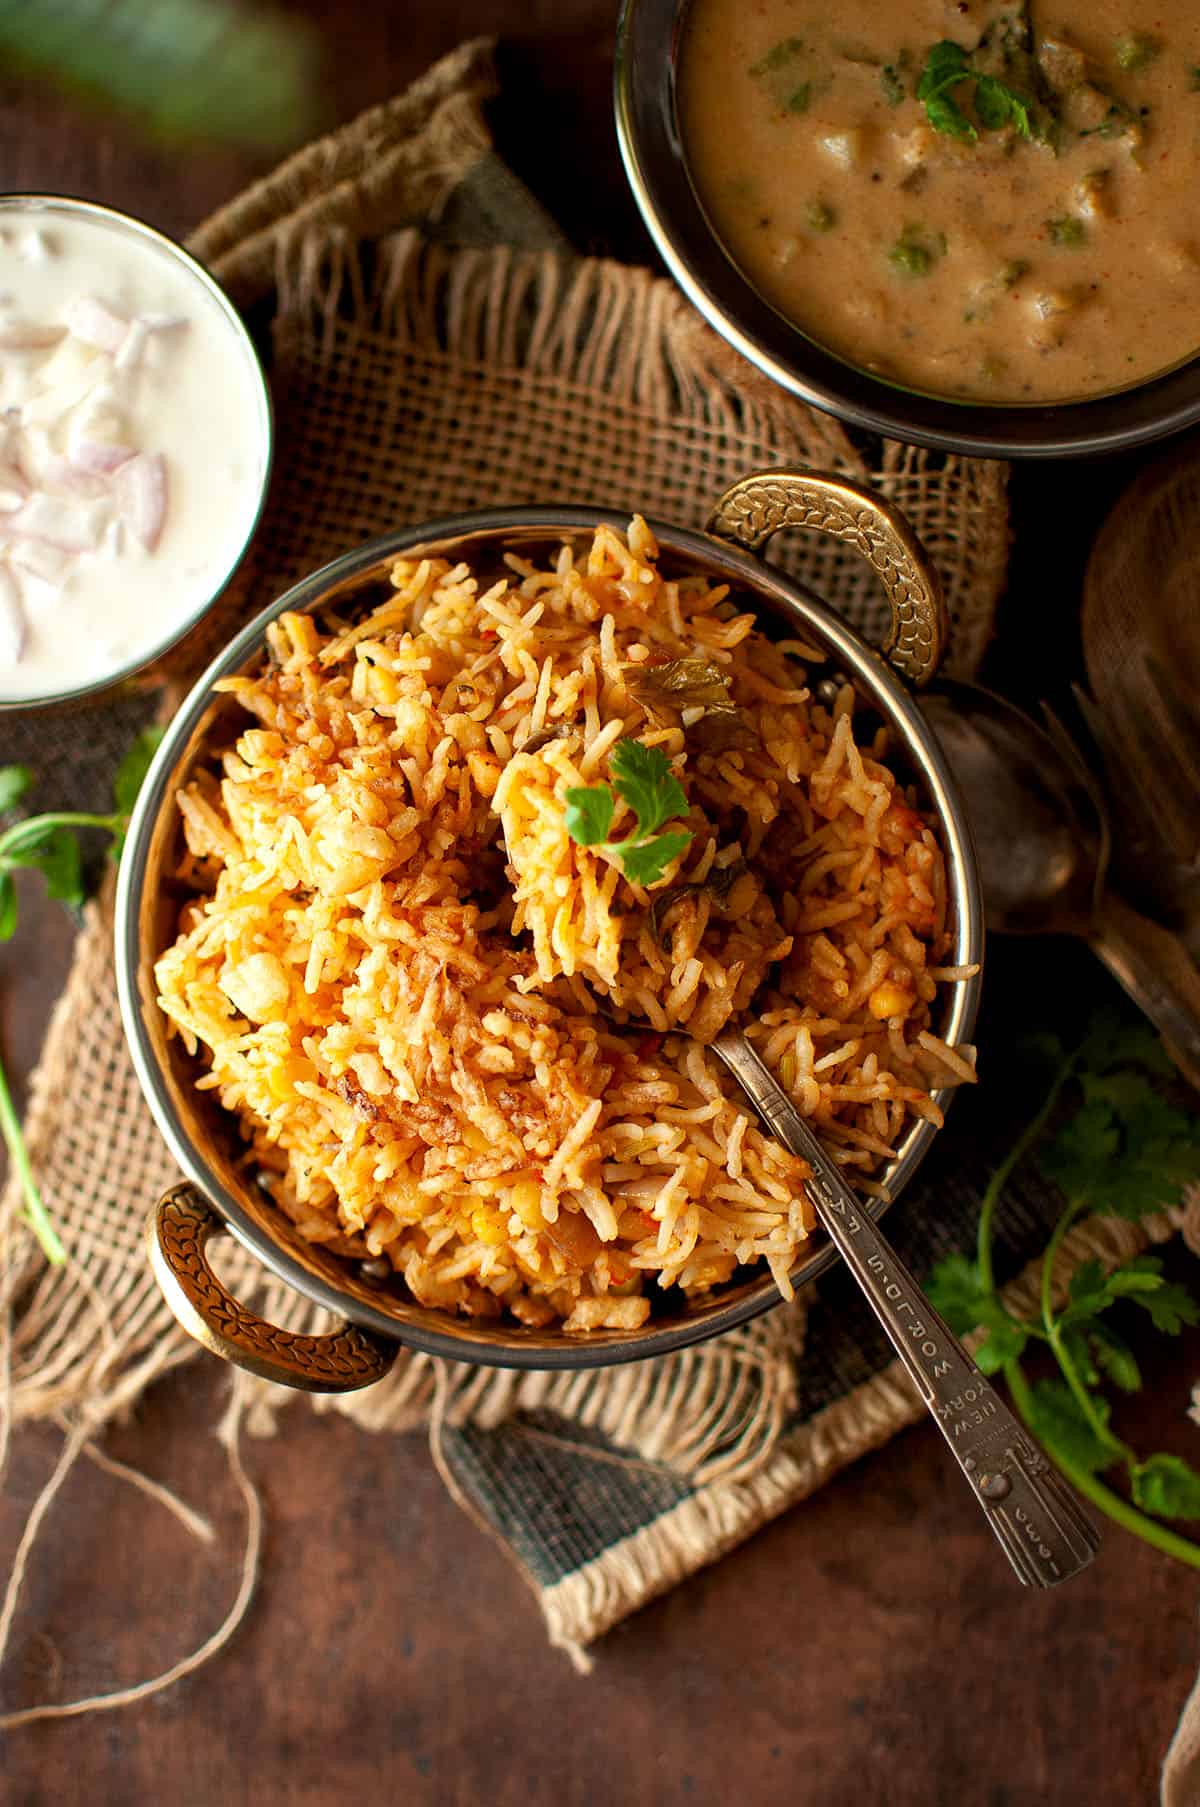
{"x":13,"y":488}
{"x":132,"y":346}
{"x":73,"y":526}
{"x":49,"y":407}
{"x":29,"y":335}
{"x":14,"y":629}
{"x":62,"y":475}
{"x":34,"y":453}
{"x":97,"y":459}
{"x":33,"y":247}
{"x":42,"y":560}
{"x":141,"y":492}
{"x":89,"y":320}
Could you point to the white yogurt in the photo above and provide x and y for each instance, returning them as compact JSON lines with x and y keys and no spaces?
{"x":133,"y":447}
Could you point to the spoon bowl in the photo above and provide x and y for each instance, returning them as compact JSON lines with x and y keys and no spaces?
{"x":1042,"y":839}
{"x":1041,"y":834}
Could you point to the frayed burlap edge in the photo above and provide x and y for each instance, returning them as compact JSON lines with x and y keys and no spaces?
{"x":395,"y":165}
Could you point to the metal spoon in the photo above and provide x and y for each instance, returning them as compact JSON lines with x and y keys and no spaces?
{"x":1045,"y":1534}
{"x":1043,"y":839}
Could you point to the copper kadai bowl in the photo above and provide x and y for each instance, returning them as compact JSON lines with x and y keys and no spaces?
{"x":219,"y":1193}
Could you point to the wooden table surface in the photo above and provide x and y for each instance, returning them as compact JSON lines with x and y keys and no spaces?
{"x":870,"y":1646}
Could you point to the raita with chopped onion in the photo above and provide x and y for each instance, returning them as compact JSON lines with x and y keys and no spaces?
{"x":132,"y":448}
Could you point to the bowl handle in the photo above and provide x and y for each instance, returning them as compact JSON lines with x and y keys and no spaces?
{"x":176,"y":1233}
{"x":755,"y":507}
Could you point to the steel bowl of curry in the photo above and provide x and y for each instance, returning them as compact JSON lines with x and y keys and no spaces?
{"x":964,"y":223}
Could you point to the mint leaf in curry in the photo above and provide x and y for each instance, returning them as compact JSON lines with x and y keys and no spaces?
{"x":944,"y":83}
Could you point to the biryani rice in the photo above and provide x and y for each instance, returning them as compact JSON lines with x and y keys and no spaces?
{"x":407,"y":981}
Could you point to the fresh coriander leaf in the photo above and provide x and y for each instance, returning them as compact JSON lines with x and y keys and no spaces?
{"x":1079,"y":1355}
{"x":133,"y":768}
{"x":1128,"y":1151}
{"x":1113,"y":1042}
{"x":916,"y":251}
{"x":999,"y":105}
{"x":1167,"y":1486}
{"x":57,"y":859}
{"x":1079,"y":1157}
{"x":1136,"y":52}
{"x":996,"y":104}
{"x":1105,"y":1043}
{"x":778,"y":57}
{"x":1059,"y":1423}
{"x":1141,"y":1275}
{"x":946,"y":116}
{"x":8,"y":907}
{"x":892,"y":84}
{"x":955,"y":1289}
{"x":992,"y":103}
{"x":589,"y":813}
{"x":1113,"y":1354}
{"x":15,"y":780}
{"x":911,"y":258}
{"x":1005,"y":1340}
{"x":644,"y":779}
{"x":645,"y":862}
{"x":1068,"y":231}
{"x":945,"y":65}
{"x":1138,"y":1106}
{"x":1170,"y":1307}
{"x":1088,"y":1292}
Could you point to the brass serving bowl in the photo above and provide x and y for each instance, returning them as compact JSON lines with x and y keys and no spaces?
{"x":649,"y":37}
{"x":219,"y":1191}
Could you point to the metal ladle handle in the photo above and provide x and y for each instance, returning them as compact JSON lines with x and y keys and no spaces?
{"x":1036,"y":1518}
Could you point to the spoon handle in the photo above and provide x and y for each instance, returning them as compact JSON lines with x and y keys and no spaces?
{"x":1044,"y":1533}
{"x":1157,"y":974}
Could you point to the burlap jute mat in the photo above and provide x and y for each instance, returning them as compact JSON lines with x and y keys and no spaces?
{"x":422,"y":367}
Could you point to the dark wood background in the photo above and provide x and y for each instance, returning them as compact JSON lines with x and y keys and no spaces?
{"x":870,"y":1646}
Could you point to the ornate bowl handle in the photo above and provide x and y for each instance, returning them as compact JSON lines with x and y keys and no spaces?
{"x":757,"y":506}
{"x":178,"y":1229}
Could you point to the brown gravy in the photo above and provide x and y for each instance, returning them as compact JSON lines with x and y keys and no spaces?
{"x":1028,"y":232}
